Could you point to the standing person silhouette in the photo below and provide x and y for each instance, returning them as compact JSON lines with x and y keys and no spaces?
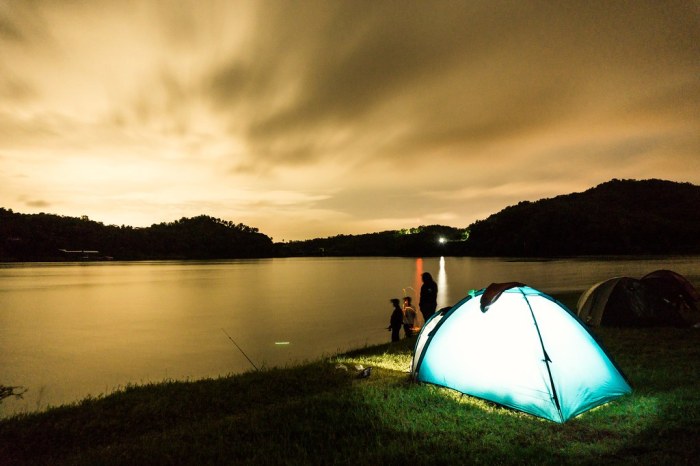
{"x":428,"y":296}
{"x":396,"y":320}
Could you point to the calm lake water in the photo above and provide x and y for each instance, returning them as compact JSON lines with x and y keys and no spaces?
{"x":72,"y":329}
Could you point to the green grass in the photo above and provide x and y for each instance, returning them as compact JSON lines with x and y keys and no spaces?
{"x":317,"y":414}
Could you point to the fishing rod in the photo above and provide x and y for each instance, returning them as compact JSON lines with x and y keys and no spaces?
{"x":239,"y":349}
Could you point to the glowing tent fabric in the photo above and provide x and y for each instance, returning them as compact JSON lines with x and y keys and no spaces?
{"x":525,"y":351}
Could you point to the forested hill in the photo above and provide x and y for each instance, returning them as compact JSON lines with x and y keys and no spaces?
{"x":620,"y":217}
{"x":46,"y":237}
{"x":431,"y":240}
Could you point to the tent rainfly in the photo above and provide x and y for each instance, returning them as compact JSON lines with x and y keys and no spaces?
{"x":516,"y":346}
{"x":662,"y":297}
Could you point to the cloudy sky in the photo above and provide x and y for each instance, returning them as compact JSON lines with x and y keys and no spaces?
{"x":315,"y":118}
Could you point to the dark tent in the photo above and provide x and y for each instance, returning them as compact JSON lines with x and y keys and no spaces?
{"x":625,"y":301}
{"x":677,"y":291}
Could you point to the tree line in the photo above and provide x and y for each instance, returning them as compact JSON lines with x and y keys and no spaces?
{"x":431,"y":240}
{"x":620,"y":217}
{"x":47,"y":237}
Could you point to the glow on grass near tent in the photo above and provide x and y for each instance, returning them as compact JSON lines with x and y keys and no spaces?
{"x":394,"y":362}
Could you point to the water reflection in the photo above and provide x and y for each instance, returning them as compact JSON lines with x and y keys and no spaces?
{"x":417,"y":280}
{"x":442,"y":285}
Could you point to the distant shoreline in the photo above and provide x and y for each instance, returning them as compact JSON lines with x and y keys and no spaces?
{"x":619,"y":218}
{"x":605,"y":257}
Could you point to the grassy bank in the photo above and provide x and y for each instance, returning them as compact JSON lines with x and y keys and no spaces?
{"x":319,"y":414}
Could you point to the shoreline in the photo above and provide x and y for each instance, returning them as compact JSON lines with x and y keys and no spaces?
{"x":317,"y":414}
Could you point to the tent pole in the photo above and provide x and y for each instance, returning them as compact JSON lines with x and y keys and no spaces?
{"x":546,"y":357}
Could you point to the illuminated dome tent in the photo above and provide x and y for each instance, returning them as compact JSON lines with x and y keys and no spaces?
{"x":517,"y":347}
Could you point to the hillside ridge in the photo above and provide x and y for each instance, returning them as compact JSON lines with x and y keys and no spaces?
{"x":618,"y":217}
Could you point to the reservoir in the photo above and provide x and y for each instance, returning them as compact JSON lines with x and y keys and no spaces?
{"x":69,"y":330}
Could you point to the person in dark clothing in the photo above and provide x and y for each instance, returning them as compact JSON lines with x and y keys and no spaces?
{"x":428,"y":296}
{"x":396,"y":320}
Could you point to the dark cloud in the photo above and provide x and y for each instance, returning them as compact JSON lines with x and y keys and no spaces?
{"x":37,"y":203}
{"x":15,"y":90}
{"x":673,"y":100}
{"x":9,"y":31}
{"x":358,"y":56}
{"x":22,"y":23}
{"x":338,"y":62}
{"x":228,"y":83}
{"x":465,"y":72}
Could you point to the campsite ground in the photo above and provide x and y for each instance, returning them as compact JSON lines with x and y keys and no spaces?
{"x":319,"y":414}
